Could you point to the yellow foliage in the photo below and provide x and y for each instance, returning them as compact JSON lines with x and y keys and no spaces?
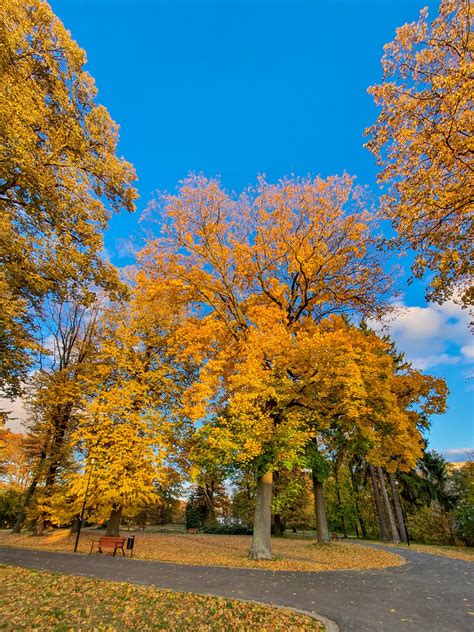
{"x":59,"y":172}
{"x":128,"y":428}
{"x":423,"y":142}
{"x":261,"y":273}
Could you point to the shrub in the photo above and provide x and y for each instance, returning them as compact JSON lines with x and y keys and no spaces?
{"x":10,"y":504}
{"x":228,"y":529}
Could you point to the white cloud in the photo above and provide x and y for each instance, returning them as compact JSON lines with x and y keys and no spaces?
{"x":17,"y":415}
{"x":425,"y":362}
{"x":433,"y":335}
{"x":458,"y":451}
{"x":458,"y":455}
{"x":468,"y":351}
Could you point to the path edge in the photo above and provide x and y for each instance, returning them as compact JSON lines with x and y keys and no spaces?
{"x":329,"y":624}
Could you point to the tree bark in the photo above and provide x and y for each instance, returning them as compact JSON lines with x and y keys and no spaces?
{"x":20,"y":521}
{"x":339,"y":504}
{"x":398,"y":508}
{"x":113,"y":527}
{"x":391,"y":517}
{"x":262,"y":524}
{"x":356,"y":503}
{"x":211,"y":502}
{"x":378,"y":505}
{"x":279,"y":526}
{"x":320,"y":510}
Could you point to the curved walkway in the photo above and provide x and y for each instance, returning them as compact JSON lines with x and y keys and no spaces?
{"x":429,"y":593}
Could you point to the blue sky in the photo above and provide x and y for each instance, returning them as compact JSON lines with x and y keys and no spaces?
{"x":241,"y":88}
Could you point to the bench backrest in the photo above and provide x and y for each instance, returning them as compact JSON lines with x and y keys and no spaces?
{"x":108,"y":539}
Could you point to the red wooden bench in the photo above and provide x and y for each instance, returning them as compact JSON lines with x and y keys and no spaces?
{"x":108,"y":542}
{"x":192,"y":530}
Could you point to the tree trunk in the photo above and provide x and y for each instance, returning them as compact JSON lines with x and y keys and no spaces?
{"x":20,"y":521}
{"x":211,"y":502}
{"x":378,"y":505}
{"x":339,"y":504}
{"x":398,"y":508}
{"x":320,"y":510}
{"x":279,"y":526}
{"x":356,"y":503}
{"x":113,"y":528}
{"x":39,"y":525}
{"x":75,"y":524}
{"x":262,"y":524}
{"x":391,"y":517}
{"x":61,"y":422}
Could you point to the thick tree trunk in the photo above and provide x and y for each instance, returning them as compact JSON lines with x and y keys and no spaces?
{"x":378,"y":505}
{"x":320,"y":510}
{"x":211,"y":502}
{"x":113,"y":527}
{"x":391,"y":517}
{"x":56,"y":450}
{"x":398,"y":508}
{"x":262,"y":524}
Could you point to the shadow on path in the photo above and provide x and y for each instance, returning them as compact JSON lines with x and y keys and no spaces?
{"x":429,"y":593}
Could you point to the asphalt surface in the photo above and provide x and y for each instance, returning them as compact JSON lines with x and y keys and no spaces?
{"x":429,"y":593}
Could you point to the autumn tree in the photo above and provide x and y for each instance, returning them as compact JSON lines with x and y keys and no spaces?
{"x":399,"y":414}
{"x":60,"y":176}
{"x":259,"y":268}
{"x":366,"y":404}
{"x":129,"y":430}
{"x":55,"y":396}
{"x":15,"y":469}
{"x":423,"y":142}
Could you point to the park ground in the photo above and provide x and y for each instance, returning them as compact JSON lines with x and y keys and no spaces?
{"x":429,"y":593}
{"x":290,"y":554}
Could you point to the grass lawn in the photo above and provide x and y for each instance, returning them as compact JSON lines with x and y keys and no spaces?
{"x":222,"y":550}
{"x":36,"y":600}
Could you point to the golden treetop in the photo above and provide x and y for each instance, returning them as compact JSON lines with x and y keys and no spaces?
{"x":423,"y":142}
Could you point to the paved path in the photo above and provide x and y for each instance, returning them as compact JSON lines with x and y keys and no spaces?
{"x":428,"y":594}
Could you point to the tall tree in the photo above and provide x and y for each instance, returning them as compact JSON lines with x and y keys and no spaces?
{"x":55,"y":396}
{"x":422,"y":142}
{"x":258,"y":268}
{"x":130,"y":426}
{"x":60,"y":176}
